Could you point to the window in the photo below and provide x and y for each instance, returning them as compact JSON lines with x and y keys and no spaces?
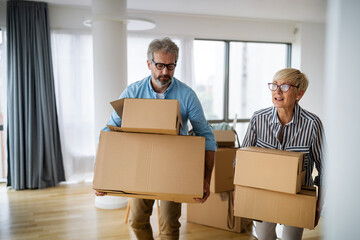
{"x":231,"y":77}
{"x":209,"y":58}
{"x":3,"y":166}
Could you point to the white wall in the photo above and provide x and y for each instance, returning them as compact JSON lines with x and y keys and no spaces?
{"x":308,"y":56}
{"x":219,"y":27}
{"x":342,"y":209}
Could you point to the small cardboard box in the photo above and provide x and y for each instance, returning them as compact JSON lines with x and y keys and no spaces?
{"x":289,"y":209}
{"x":270,"y":169}
{"x":214,"y":213}
{"x":222,"y":178}
{"x":150,"y":166}
{"x":149,"y":115}
{"x":225,"y":138}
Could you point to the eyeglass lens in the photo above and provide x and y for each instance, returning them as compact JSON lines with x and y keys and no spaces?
{"x":161,"y":66}
{"x":283,"y":87}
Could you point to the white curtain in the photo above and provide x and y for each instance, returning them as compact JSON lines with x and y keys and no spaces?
{"x":186,"y":60}
{"x":73,"y":71}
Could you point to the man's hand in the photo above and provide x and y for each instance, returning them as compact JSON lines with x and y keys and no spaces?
{"x":97,"y":193}
{"x":209,"y":164}
{"x":206,"y":193}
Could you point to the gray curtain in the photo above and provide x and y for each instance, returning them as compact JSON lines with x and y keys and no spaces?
{"x":34,"y":151}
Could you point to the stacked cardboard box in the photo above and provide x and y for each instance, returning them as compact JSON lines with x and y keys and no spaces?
{"x":146,"y":158}
{"x":217,"y":211}
{"x":268,"y":187}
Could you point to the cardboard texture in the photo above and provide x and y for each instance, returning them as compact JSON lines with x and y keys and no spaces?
{"x":270,"y":169}
{"x":289,"y":209}
{"x":161,"y":116}
{"x":225,"y":138}
{"x":151,"y":166}
{"x":214,"y":213}
{"x":222,"y":178}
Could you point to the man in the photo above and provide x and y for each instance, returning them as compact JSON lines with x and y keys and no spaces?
{"x":162,"y":58}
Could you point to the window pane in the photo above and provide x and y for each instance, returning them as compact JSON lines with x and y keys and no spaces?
{"x":209,"y":65}
{"x":252,"y":66}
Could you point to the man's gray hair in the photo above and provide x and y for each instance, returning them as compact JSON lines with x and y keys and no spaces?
{"x":164,"y":45}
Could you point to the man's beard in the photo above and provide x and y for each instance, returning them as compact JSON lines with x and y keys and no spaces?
{"x":163,"y":82}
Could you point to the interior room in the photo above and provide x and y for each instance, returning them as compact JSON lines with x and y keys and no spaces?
{"x":228,"y":53}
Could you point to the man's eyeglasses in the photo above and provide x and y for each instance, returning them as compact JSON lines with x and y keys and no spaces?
{"x":283,"y":87}
{"x":161,"y":66}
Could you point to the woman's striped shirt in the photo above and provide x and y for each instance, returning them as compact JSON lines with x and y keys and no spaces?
{"x":303,"y":134}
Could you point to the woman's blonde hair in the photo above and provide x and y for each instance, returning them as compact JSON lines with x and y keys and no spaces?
{"x":293,"y":76}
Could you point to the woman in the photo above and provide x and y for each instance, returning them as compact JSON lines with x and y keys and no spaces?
{"x":289,"y":127}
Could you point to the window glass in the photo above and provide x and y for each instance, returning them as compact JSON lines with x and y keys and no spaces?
{"x":252,"y":66}
{"x":209,"y":70}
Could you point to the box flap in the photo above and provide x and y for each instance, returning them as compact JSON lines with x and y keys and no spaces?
{"x":118,"y":106}
{"x":114,"y":128}
{"x":272,"y":151}
{"x":279,"y":152}
{"x":181,"y":198}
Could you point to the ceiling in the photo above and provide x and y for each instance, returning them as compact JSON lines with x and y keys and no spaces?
{"x":283,"y":10}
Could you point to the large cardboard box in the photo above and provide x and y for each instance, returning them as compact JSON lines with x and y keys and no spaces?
{"x":289,"y":209}
{"x":149,"y":115}
{"x":225,"y":138}
{"x":270,"y":169}
{"x":150,"y":166}
{"x":214,"y":213}
{"x":222,"y":178}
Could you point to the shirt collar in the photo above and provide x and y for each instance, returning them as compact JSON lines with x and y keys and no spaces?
{"x":295,"y":119}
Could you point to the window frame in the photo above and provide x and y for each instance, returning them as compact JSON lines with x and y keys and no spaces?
{"x":226,"y":118}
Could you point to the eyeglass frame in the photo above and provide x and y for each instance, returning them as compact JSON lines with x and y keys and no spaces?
{"x":165,"y":65}
{"x":279,"y":86}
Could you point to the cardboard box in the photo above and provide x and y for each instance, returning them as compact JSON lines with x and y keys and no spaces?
{"x":150,"y":166}
{"x":270,"y":169}
{"x":149,"y":115}
{"x":222,"y":178}
{"x":214,"y":213}
{"x":289,"y":209}
{"x":225,"y":138}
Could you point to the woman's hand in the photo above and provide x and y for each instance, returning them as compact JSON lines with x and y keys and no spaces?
{"x":318,"y":207}
{"x":99,"y":194}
